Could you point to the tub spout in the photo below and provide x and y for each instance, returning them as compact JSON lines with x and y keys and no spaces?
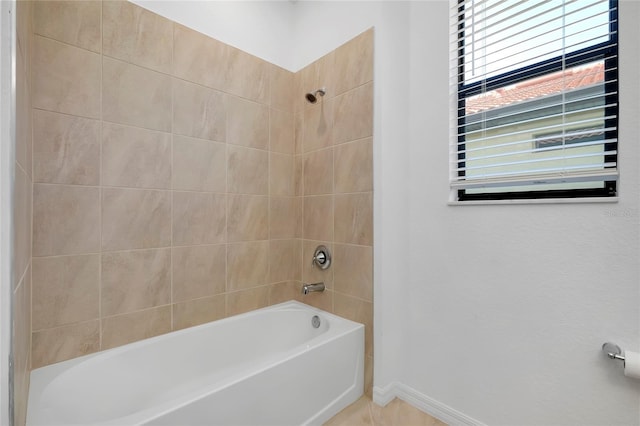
{"x":308,"y":288}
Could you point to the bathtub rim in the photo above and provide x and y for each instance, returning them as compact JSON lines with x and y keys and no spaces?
{"x":42,"y":377}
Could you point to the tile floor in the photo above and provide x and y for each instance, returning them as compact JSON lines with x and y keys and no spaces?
{"x":364,"y":412}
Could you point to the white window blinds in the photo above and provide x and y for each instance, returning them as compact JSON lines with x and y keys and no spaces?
{"x":535,"y":98}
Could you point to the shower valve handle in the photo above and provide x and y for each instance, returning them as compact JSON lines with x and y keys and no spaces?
{"x":321,"y":258}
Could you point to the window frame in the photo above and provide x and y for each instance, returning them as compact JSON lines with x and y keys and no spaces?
{"x":606,"y":51}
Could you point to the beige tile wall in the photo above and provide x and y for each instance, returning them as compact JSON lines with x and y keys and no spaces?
{"x":163,"y":180}
{"x":22,"y":208}
{"x":171,"y":190}
{"x":334,"y":153}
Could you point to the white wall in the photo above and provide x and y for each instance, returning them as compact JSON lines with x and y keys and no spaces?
{"x":262,"y":28}
{"x":497,"y":312}
{"x":285,"y":33}
{"x":507,"y":305}
{"x":321,"y":26}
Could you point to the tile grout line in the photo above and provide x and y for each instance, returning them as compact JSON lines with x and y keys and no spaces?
{"x":172,"y":180}
{"x":171,"y":74}
{"x":100,"y":323}
{"x":29,"y":57}
{"x":333,"y":216}
{"x":300,"y":181}
{"x":226,"y":213}
{"x":269,"y":189}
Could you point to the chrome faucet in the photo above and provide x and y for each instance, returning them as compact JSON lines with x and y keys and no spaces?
{"x":308,"y":288}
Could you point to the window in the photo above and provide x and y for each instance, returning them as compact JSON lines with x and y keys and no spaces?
{"x":536,"y":99}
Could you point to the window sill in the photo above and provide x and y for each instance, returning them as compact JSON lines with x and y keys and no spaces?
{"x":536,"y":201}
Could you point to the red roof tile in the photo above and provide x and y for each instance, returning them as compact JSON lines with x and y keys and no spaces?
{"x":571,"y":79}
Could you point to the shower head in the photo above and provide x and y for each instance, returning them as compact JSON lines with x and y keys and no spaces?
{"x":312,"y":97}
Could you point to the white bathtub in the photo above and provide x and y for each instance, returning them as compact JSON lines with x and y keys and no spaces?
{"x":265,"y":367}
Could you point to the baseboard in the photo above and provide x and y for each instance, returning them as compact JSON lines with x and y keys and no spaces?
{"x":383,"y":395}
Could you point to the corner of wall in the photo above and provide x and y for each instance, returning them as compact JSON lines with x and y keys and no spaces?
{"x":22,"y":211}
{"x":7,"y":160}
